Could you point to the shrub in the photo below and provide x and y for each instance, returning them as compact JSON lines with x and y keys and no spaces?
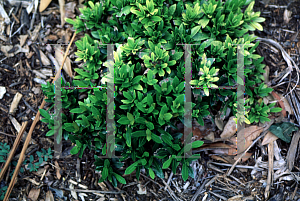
{"x":149,"y":77}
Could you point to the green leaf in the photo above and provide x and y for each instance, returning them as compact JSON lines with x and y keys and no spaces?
{"x":172,"y":9}
{"x":76,"y":110}
{"x":166,"y":139}
{"x":155,"y":18}
{"x":197,"y":144}
{"x":156,"y":138}
{"x":120,"y":178}
{"x":123,"y":121}
{"x":148,"y":134}
{"x":276,"y":109}
{"x":75,"y":150}
{"x":131,"y":118}
{"x":139,"y":133}
{"x":167,"y":163}
{"x":185,"y":172}
{"x":151,"y":173}
{"x":194,"y":31}
{"x":131,"y":168}
{"x":203,"y":22}
{"x":128,"y":137}
{"x":45,"y":114}
{"x":105,"y":173}
{"x":50,"y":133}
{"x":167,"y":116}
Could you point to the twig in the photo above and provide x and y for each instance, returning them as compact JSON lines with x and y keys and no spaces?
{"x":28,"y":138}
{"x":7,"y":134}
{"x":169,"y":179}
{"x":238,"y":166}
{"x":199,"y":191}
{"x":217,"y":195}
{"x":13,"y":150}
{"x":27,"y":104}
{"x":94,"y":191}
{"x":152,"y":180}
{"x":17,"y":30}
{"x":170,"y":191}
{"x":241,"y":156}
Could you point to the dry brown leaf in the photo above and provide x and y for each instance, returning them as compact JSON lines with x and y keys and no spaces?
{"x":244,"y":158}
{"x":34,"y":194}
{"x":281,"y":104}
{"x":49,"y":196}
{"x":270,"y":137}
{"x":250,"y":134}
{"x":230,"y":128}
{"x":199,"y":132}
{"x":44,"y":4}
{"x":59,"y":56}
{"x":287,"y":105}
{"x":57,"y":170}
{"x":287,"y":16}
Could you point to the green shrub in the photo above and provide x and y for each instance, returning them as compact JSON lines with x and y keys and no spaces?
{"x":149,"y":77}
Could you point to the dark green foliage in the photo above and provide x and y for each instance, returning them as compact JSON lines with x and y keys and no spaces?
{"x":149,"y":78}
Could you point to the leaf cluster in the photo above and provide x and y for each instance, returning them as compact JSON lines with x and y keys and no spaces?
{"x":148,"y":75}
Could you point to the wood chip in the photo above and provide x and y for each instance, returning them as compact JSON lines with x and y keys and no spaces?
{"x":49,"y":196}
{"x":270,"y":137}
{"x":34,"y":194}
{"x":45,"y":60}
{"x":44,"y":4}
{"x":35,"y":32}
{"x":39,"y":74}
{"x":23,"y":39}
{"x":230,"y":128}
{"x":2,"y":92}
{"x":15,"y":103}
{"x":57,"y":170}
{"x":59,"y":55}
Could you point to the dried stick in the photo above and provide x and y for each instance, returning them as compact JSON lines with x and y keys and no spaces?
{"x":13,"y":150}
{"x":270,"y":171}
{"x":28,"y":138}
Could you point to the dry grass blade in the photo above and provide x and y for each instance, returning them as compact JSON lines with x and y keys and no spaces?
{"x":13,"y":150}
{"x":28,"y":138}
